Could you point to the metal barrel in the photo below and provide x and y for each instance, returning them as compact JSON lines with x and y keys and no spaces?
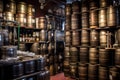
{"x":43,"y":35}
{"x":42,"y":23}
{"x":73,"y":70}
{"x":102,"y":18}
{"x":67,"y":51}
{"x":111,"y":16}
{"x":114,"y":73}
{"x":75,"y":38}
{"x":103,"y":73}
{"x":21,"y":8}
{"x":68,"y":22}
{"x":30,"y":10}
{"x":84,"y":6}
{"x":68,"y":9}
{"x":75,"y":21}
{"x":34,"y":48}
{"x":85,"y":38}
{"x":9,"y":16}
{"x":22,"y":47}
{"x":83,"y":71}
{"x":68,"y":38}
{"x":94,"y":38}
{"x":10,"y":6}
{"x":73,"y":54}
{"x":85,"y":20}
{"x":21,"y":19}
{"x":30,"y":21}
{"x":93,"y":56}
{"x":93,"y":19}
{"x":103,"y":38}
{"x":51,"y":69}
{"x":83,"y":54}
{"x":106,"y":57}
{"x":117,"y":56}
{"x":76,"y":6}
{"x":103,"y":3}
{"x":92,"y":72}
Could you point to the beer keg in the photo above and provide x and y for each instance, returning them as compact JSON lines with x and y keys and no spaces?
{"x":92,"y":72}
{"x":21,"y":19}
{"x":111,"y":16}
{"x":85,"y":20}
{"x":103,"y":38}
{"x":21,"y":8}
{"x":103,"y":3}
{"x":76,"y":6}
{"x":42,"y":23}
{"x":8,"y":52}
{"x":93,"y":56}
{"x":67,"y":51}
{"x":117,"y":57}
{"x":73,"y":70}
{"x":84,"y":6}
{"x":34,"y":48}
{"x":10,"y":17}
{"x":30,"y":10}
{"x":43,"y":35}
{"x":75,"y":21}
{"x":94,"y":38}
{"x":93,"y":19}
{"x":75,"y":38}
{"x":103,"y":73}
{"x":22,"y":47}
{"x":68,"y":9}
{"x":85,"y":38}
{"x":102,"y":18}
{"x":83,"y":71}
{"x":66,"y":64}
{"x":68,"y":38}
{"x":73,"y":54}
{"x":83,"y":54}
{"x":30,"y":21}
{"x":68,"y":22}
{"x":106,"y":57}
{"x":10,"y":6}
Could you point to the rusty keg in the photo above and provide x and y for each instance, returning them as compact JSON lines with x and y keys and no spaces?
{"x":102,"y":18}
{"x":92,"y":72}
{"x":93,"y":19}
{"x":83,"y":71}
{"x":73,"y":70}
{"x":1,"y":6}
{"x":93,"y":4}
{"x":111,"y":16}
{"x":21,"y":19}
{"x":94,"y":38}
{"x":103,"y":38}
{"x":75,"y":21}
{"x":10,"y":6}
{"x":68,"y":22}
{"x":68,"y":9}
{"x":85,"y":37}
{"x":84,"y":6}
{"x":21,"y":8}
{"x":106,"y":57}
{"x":103,"y":3}
{"x":67,"y":51}
{"x":30,"y":10}
{"x":75,"y":38}
{"x":93,"y":56}
{"x":83,"y":54}
{"x":42,"y":23}
{"x":76,"y":6}
{"x":68,"y":38}
{"x":117,"y":56}
{"x":103,"y":73}
{"x":30,"y":20}
{"x":9,"y":16}
{"x":43,"y":35}
{"x":85,"y":20}
{"x":114,"y":73}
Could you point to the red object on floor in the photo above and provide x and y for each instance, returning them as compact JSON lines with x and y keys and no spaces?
{"x":59,"y":76}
